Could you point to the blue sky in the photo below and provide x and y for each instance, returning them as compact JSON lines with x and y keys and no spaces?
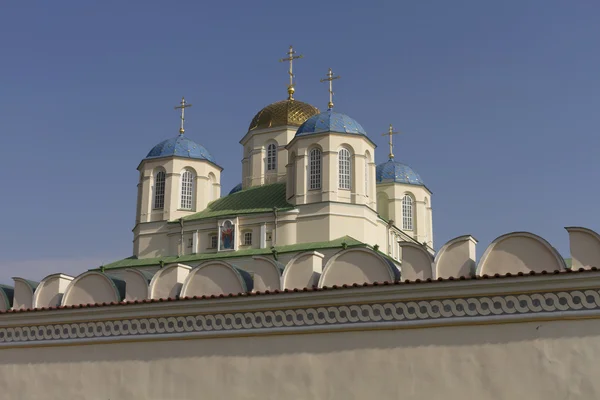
{"x":498,"y":101}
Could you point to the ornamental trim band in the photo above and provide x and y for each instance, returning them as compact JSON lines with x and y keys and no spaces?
{"x":388,"y":314}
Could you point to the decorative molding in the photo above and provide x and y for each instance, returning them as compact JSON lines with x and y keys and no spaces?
{"x":383,"y":314}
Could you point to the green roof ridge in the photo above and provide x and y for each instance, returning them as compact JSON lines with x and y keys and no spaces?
{"x":132,"y":262}
{"x":256,"y":199}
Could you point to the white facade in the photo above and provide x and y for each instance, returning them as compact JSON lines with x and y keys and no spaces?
{"x":331,"y":191}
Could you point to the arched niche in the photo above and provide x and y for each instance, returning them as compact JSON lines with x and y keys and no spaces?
{"x":358,"y":265}
{"x":216,"y":278}
{"x":23,"y":296}
{"x":49,"y":292}
{"x":304,"y":270}
{"x":6,"y":297}
{"x":167,"y":281}
{"x":585,"y":247}
{"x":456,"y":258}
{"x":417,"y":263}
{"x":519,"y":252}
{"x":266,"y":273}
{"x":94,"y":287}
{"x":137,"y":282}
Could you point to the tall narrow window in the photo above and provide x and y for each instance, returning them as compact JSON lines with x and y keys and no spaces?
{"x":367,"y":162}
{"x":272,"y":157}
{"x":187,"y":190}
{"x":344,"y":169}
{"x":159,"y":190}
{"x":407,"y":213}
{"x":315,"y":169}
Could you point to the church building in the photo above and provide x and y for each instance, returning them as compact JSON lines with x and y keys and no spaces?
{"x":309,"y":181}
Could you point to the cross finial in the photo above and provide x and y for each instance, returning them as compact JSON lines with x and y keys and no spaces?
{"x":183,"y":105}
{"x":291,"y":57}
{"x":330,"y":78}
{"x":390,"y":133}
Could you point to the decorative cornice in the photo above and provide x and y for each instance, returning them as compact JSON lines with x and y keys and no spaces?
{"x":293,"y":314}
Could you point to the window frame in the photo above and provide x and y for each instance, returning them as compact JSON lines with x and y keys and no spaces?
{"x":246,"y":235}
{"x":271,"y":157}
{"x":159,"y":190}
{"x":344,"y":169}
{"x":408,"y":213}
{"x":315,"y":169}
{"x":186,"y":190}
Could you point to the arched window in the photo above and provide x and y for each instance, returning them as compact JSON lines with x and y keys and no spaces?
{"x":314,"y":181}
{"x":271,"y":157}
{"x":344,"y":162}
{"x":211,"y":187}
{"x":187,"y":190}
{"x":159,"y":190}
{"x":407,"y":213}
{"x":293,"y":172}
{"x":367,"y":162}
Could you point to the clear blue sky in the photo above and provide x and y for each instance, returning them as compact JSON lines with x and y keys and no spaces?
{"x":498,"y":101}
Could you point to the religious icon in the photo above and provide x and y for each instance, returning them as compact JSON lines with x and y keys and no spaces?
{"x":227,"y":235}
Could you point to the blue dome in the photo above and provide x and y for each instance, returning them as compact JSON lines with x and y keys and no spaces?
{"x":330,"y":121}
{"x":236,"y":188}
{"x":397,"y":172}
{"x":180,"y":146}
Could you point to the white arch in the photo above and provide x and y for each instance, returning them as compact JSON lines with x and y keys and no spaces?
{"x":417,"y":263}
{"x":584,"y":245}
{"x":456,"y":258}
{"x":305,"y":269}
{"x":49,"y":292}
{"x":363,"y":266}
{"x":266,"y":278}
{"x":167,"y":281}
{"x":138,"y":283}
{"x":216,"y":278}
{"x":93,"y":287}
{"x":23,"y":296}
{"x":519,"y":252}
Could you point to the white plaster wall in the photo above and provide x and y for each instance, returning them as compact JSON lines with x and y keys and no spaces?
{"x":330,"y":144}
{"x":422,"y":210}
{"x":212,"y":279}
{"x":255,"y":171}
{"x":90,"y":289}
{"x":355,"y":266}
{"x":536,"y":361}
{"x":23,"y":295}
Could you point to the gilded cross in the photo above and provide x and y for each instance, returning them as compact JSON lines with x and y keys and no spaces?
{"x":183,"y":105}
{"x":330,"y":78}
{"x":291,"y":57}
{"x":390,"y":133}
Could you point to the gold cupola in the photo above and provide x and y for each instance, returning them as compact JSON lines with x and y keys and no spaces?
{"x":286,"y":112}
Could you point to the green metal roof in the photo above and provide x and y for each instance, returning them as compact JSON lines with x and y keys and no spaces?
{"x":133,"y":262}
{"x":258,"y":199}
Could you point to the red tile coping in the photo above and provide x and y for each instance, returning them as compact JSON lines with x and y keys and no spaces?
{"x":311,"y":289}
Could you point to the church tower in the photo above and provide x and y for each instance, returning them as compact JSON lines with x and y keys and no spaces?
{"x":331,"y":160}
{"x":178,"y":177}
{"x":272,"y":128}
{"x":403,"y":198}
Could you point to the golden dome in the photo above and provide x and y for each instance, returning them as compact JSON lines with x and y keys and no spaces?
{"x":281,"y":113}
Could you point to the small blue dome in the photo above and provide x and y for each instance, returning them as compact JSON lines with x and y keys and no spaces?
{"x":236,"y":188}
{"x":330,"y":121}
{"x":397,"y":172}
{"x":180,"y":146}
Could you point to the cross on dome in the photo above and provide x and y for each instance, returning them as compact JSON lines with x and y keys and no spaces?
{"x":183,"y":105}
{"x":330,"y":78}
{"x":390,"y":133}
{"x":291,"y":57}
